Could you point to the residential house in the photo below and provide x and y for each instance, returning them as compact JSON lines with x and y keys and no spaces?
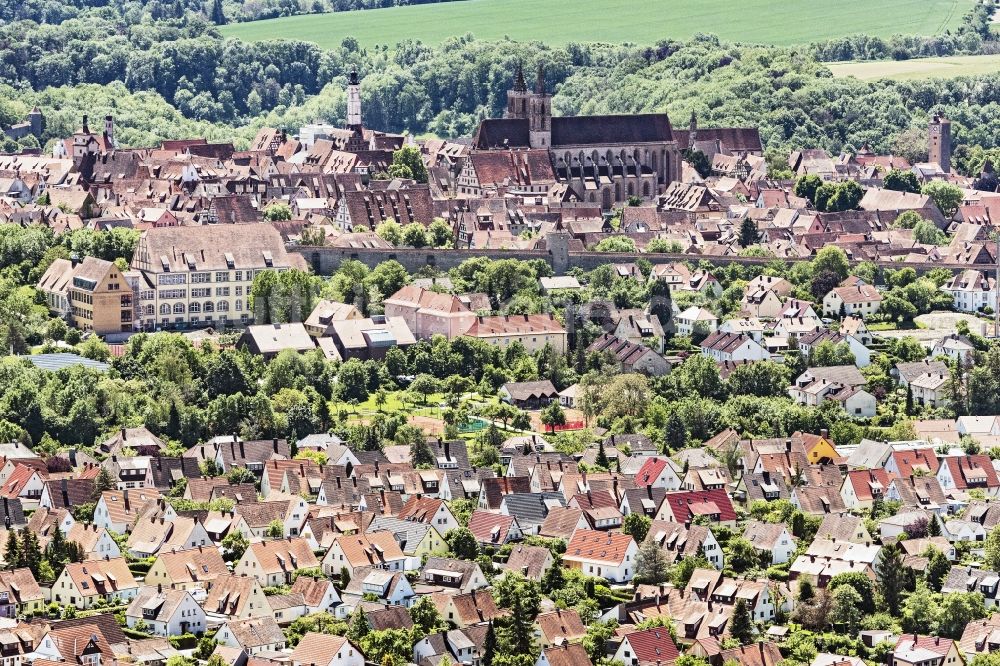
{"x":187,"y":569}
{"x":274,"y":562}
{"x":602,"y":554}
{"x":631,"y":356}
{"x":686,"y":505}
{"x":429,"y":511}
{"x":696,"y":320}
{"x":774,"y":539}
{"x":319,"y":649}
{"x":252,"y":635}
{"x":81,"y":584}
{"x":733,"y":347}
{"x":20,"y":594}
{"x":238,"y":598}
{"x":686,"y":540}
{"x":375,"y":549}
{"x":863,"y":486}
{"x":493,"y":529}
{"x":269,"y":340}
{"x":861,"y":300}
{"x":166,"y":612}
{"x":94,"y":294}
{"x":657,"y":472}
{"x":968,"y":472}
{"x":917,"y":650}
{"x":319,"y":594}
{"x":531,"y":561}
{"x":761,"y":303}
{"x":649,"y":647}
{"x":369,"y":338}
{"x":151,"y":534}
{"x":956,"y":347}
{"x":972,"y":291}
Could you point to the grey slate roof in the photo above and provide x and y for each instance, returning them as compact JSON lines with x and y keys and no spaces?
{"x":408,"y":533}
{"x":530,"y":509}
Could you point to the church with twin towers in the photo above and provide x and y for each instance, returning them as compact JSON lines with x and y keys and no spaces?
{"x":603,"y":159}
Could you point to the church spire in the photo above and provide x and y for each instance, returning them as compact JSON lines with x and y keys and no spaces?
{"x":519,"y":84}
{"x":540,"y":80}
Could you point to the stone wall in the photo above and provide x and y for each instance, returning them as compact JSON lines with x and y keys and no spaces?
{"x":326,"y":260}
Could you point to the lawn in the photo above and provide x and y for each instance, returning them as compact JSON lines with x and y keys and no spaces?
{"x":557,"y":22}
{"x":922,"y":68}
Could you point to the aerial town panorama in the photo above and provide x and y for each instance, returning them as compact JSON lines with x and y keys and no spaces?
{"x":499,"y":333}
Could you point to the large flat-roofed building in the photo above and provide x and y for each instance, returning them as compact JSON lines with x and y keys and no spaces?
{"x":201,"y":276}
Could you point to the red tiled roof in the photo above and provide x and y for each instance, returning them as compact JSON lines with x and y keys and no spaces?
{"x":490,"y":527}
{"x":966,"y":471}
{"x":599,"y":546}
{"x":649,"y":472}
{"x":908,"y":459}
{"x":685,"y":504}
{"x":863,"y":479}
{"x":653,"y":645}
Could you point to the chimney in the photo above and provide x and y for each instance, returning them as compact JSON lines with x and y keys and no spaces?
{"x":447,"y":450}
{"x":125,"y":499}
{"x":824,"y":433}
{"x":788,"y":445}
{"x":159,"y":588}
{"x":274,"y":443}
{"x":123,"y":434}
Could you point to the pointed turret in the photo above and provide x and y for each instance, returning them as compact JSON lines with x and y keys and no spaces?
{"x":519,"y":84}
{"x":540,"y":80}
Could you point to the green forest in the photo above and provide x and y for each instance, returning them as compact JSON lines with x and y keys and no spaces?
{"x":162,"y":69}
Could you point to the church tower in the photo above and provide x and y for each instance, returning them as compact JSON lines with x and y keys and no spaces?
{"x":540,"y":114}
{"x":353,"y":100}
{"x":692,"y":131}
{"x":517,"y":97}
{"x":939,"y":142}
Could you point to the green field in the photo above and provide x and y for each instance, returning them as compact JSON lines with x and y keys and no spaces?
{"x":922,"y":68}
{"x":557,"y":22}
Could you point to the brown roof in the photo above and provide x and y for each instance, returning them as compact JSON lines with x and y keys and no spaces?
{"x":755,"y":654}
{"x":421,"y":509}
{"x":560,"y":522}
{"x":573,"y":654}
{"x":107,"y":576}
{"x":316,"y":648}
{"x":599,"y":546}
{"x":283,"y":555}
{"x":229,"y":594}
{"x":561,"y":623}
{"x":124,"y":506}
{"x":256,"y":631}
{"x":496,"y":487}
{"x":188,"y":566}
{"x":312,"y":589}
{"x":21,"y":585}
{"x":372,"y":548}
{"x":206,"y":248}
{"x":472,"y":608}
{"x":515,"y":325}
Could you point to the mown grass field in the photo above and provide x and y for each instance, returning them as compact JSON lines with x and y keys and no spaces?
{"x":557,"y":22}
{"x":922,"y":68}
